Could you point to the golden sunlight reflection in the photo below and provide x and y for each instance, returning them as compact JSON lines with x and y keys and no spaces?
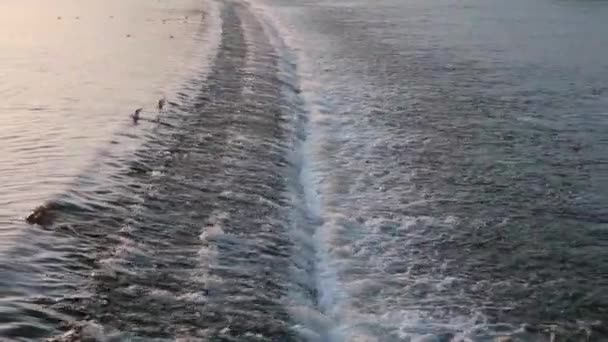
{"x":71,"y":72}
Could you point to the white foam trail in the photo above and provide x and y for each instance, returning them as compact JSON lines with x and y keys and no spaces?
{"x":351,"y":234}
{"x":313,"y":322}
{"x":211,"y":232}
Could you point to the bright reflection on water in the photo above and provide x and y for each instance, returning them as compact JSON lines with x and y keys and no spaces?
{"x":70,"y":74}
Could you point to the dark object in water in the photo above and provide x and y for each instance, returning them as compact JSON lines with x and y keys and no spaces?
{"x":43,"y":215}
{"x":135,"y":115}
{"x":161,"y":105}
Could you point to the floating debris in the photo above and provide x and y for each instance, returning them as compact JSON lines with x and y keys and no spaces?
{"x":80,"y":332}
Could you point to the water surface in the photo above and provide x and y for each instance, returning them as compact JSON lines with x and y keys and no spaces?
{"x":324,"y":171}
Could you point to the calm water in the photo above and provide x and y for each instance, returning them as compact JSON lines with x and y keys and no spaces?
{"x":325,"y":170}
{"x":70,"y":76}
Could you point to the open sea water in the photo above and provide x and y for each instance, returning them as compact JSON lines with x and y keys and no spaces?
{"x":328,"y":171}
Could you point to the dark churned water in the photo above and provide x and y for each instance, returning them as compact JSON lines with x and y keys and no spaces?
{"x":325,"y":171}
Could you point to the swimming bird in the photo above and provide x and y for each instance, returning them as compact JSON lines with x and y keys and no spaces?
{"x":135,"y":115}
{"x":161,"y":105}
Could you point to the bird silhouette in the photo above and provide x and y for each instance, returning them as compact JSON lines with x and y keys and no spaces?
{"x":135,"y":115}
{"x":160,"y":106}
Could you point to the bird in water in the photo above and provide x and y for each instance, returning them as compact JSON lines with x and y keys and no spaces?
{"x":135,"y":115}
{"x":160,"y":106}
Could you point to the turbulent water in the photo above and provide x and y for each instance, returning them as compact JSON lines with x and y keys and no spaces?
{"x":323,"y":171}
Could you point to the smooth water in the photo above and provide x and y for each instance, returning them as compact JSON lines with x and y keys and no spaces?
{"x":324,"y":171}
